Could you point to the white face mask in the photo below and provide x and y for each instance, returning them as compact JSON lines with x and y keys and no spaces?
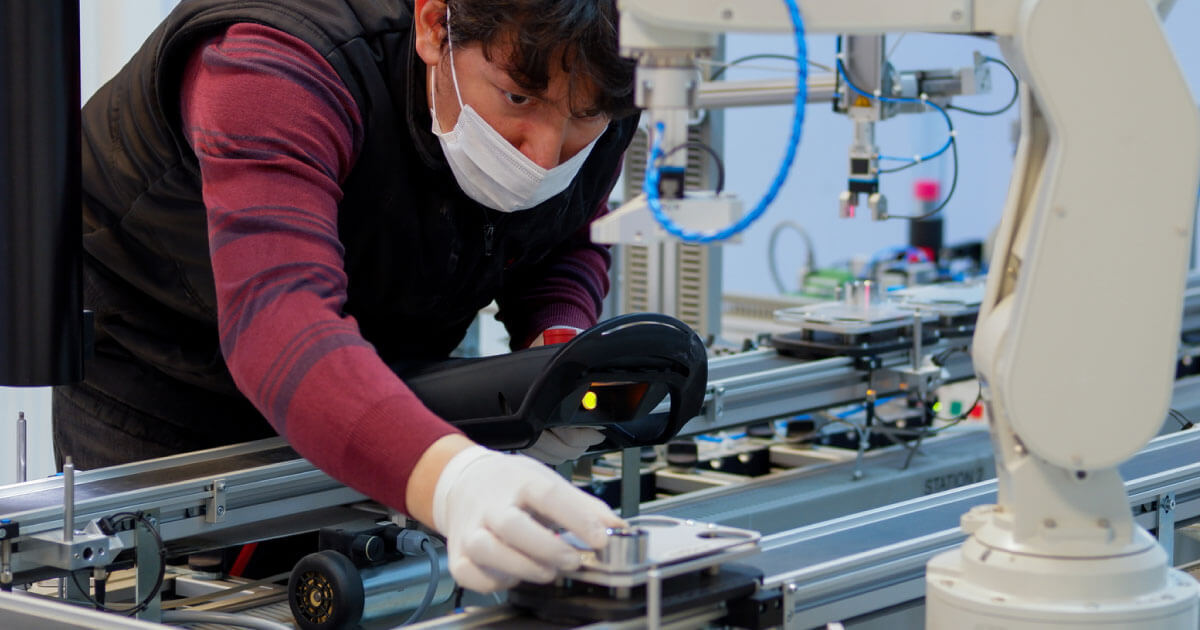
{"x":488,"y":168}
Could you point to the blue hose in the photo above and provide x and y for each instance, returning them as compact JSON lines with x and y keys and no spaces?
{"x":652,"y":172}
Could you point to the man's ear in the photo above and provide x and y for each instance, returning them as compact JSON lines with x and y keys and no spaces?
{"x":428,"y":18}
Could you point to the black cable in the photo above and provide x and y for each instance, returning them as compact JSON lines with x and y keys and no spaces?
{"x":924,"y":432}
{"x":953,"y":420}
{"x":940,"y":358}
{"x":949,"y":195}
{"x":1012,"y":101}
{"x":1184,"y":422}
{"x":100,"y":586}
{"x":162,"y":568}
{"x":696,"y":144}
{"x":726,"y":65}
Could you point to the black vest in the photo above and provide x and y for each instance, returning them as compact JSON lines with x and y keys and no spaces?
{"x":421,"y":257}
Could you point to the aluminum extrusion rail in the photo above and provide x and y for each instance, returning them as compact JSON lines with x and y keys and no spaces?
{"x":743,"y":388}
{"x":200,"y":500}
{"x":866,"y":562}
{"x":764,"y":384}
{"x":783,"y":501}
{"x":761,"y":384}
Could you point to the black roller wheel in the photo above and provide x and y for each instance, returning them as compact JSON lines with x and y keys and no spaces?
{"x":326,"y":592}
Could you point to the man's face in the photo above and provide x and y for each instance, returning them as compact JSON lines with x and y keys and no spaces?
{"x":542,"y":126}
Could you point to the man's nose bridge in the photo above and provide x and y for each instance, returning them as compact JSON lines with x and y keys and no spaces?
{"x":544,"y":142}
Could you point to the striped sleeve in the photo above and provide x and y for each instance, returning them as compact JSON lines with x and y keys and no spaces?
{"x":275,"y":131}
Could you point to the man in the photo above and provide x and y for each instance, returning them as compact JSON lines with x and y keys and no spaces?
{"x":283,"y":197}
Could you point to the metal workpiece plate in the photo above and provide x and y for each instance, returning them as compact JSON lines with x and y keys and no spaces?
{"x":850,"y":319}
{"x":674,"y":546}
{"x":949,"y":299}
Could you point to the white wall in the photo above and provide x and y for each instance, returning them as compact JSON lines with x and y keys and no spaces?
{"x":110,"y":31}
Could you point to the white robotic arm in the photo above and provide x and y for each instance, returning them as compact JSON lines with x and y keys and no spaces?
{"x":1076,"y":342}
{"x":1078,"y":335}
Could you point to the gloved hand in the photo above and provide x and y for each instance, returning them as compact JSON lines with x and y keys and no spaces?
{"x":491,"y":507}
{"x":557,"y":445}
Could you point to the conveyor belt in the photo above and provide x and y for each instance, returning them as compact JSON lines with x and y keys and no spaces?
{"x":876,"y":559}
{"x":791,"y":499}
{"x":928,"y":518}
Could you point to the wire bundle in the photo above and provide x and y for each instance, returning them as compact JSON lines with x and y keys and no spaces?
{"x":651,"y":183}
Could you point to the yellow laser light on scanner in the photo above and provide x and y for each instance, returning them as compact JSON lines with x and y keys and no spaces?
{"x":589,"y":400}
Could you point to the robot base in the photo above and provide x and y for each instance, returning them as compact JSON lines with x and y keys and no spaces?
{"x":978,"y":587}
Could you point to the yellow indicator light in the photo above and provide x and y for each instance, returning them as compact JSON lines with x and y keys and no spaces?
{"x":589,"y":400}
{"x":937,"y":407}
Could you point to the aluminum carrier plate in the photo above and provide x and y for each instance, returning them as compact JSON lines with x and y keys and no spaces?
{"x":849,"y":319}
{"x":673,"y":546}
{"x":955,"y":304}
{"x":862,"y":325}
{"x":951,"y":299}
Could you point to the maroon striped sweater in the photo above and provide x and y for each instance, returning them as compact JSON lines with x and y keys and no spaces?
{"x":276,"y":132}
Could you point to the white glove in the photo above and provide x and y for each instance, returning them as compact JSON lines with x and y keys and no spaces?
{"x":557,"y":445}
{"x":491,"y":507}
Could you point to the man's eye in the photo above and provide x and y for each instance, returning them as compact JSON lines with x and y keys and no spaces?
{"x":516,"y":99}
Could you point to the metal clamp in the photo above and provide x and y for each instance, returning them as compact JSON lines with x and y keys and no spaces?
{"x":215,"y":512}
{"x":9,"y":529}
{"x":88,"y":548}
{"x":716,"y":404}
{"x":1166,"y":525}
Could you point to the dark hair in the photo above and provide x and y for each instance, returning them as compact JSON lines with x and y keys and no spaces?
{"x":580,"y":36}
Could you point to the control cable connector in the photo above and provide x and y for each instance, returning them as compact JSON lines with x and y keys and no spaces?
{"x":410,"y":542}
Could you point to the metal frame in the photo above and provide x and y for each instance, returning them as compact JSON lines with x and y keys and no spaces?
{"x":266,"y":484}
{"x":873,"y":563}
{"x":258,"y":498}
{"x":22,"y":611}
{"x":873,"y":560}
